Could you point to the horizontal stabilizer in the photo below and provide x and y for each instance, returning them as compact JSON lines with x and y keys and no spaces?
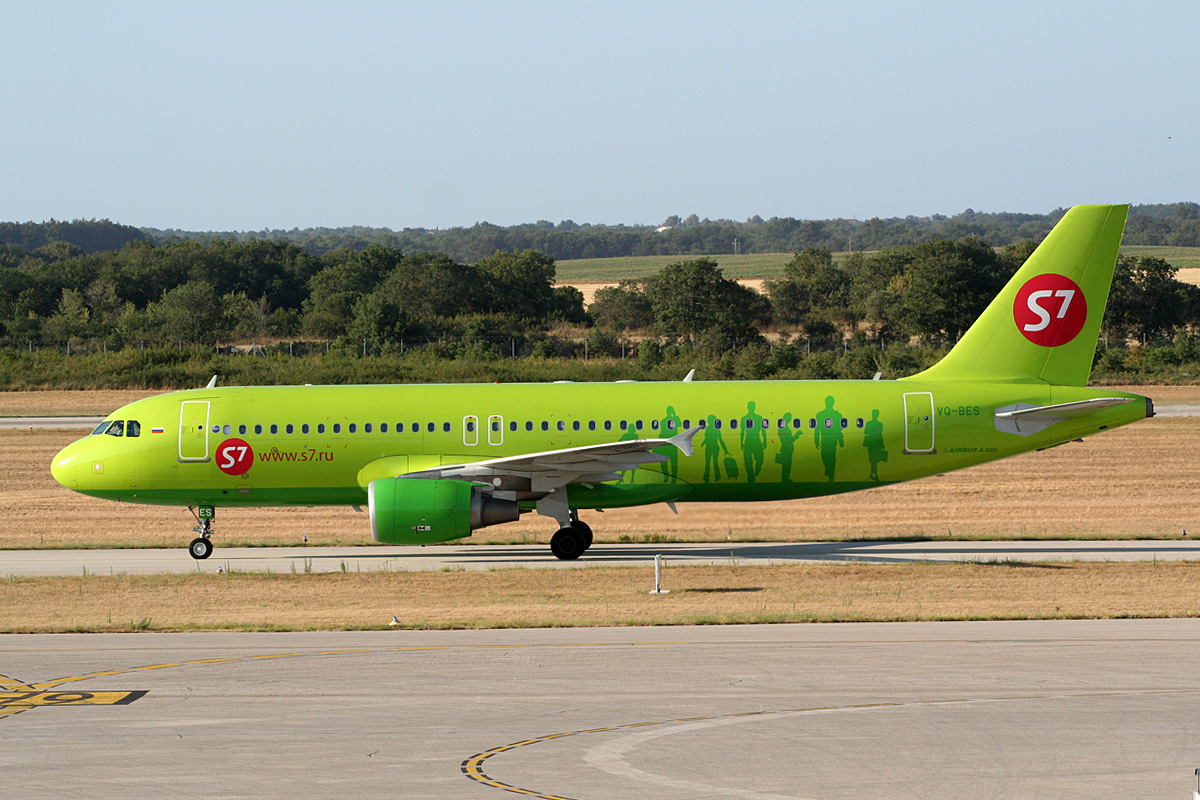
{"x":1024,"y":419}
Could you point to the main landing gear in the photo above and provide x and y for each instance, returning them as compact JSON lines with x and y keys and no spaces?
{"x":571,"y":541}
{"x":201,"y":547}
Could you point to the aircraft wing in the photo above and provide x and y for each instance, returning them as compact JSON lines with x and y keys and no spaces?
{"x":551,"y":470}
{"x":1025,"y":420}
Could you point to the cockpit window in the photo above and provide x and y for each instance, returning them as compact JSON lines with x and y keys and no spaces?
{"x":102,"y":427}
{"x":133,"y":428}
{"x":116,"y":429}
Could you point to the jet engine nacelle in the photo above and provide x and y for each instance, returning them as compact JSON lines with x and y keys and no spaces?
{"x":421,"y":510}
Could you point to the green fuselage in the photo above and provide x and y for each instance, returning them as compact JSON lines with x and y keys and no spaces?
{"x":762,"y":440}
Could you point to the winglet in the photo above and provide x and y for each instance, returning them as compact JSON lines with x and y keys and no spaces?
{"x":684,"y":440}
{"x":691,"y":374}
{"x":212,"y":384}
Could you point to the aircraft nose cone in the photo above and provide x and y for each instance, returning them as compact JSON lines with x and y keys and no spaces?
{"x":65,"y":468}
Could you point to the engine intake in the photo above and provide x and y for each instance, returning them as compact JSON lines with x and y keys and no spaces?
{"x":421,"y":510}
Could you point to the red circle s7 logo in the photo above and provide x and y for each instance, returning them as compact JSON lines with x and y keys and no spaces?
{"x":1050,"y":309}
{"x":234,"y":456}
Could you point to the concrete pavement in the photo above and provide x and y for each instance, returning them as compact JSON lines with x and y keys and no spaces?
{"x":486,"y":557}
{"x":1087,"y":709}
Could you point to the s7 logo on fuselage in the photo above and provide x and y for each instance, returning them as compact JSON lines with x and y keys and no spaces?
{"x":235,"y":456}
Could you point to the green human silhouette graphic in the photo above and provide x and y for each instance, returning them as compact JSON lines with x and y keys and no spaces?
{"x":828,"y":437}
{"x":670,"y":426}
{"x":873,"y":441}
{"x":629,"y":435}
{"x":713,"y":444}
{"x":787,"y":446}
{"x":753,"y":437}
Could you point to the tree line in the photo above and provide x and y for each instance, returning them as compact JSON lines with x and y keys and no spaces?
{"x":1175,"y":224}
{"x":380,"y":300}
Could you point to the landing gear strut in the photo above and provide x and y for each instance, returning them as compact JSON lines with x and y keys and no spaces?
{"x":570,"y":542}
{"x":201,"y":547}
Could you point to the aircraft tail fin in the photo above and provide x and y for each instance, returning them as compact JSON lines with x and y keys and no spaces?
{"x":1044,"y":324}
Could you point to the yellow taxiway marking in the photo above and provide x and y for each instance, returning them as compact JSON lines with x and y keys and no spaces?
{"x":278,"y":655}
{"x":473,"y":767}
{"x":17,"y":696}
{"x":31,"y":699}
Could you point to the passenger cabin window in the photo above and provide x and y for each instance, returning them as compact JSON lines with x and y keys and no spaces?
{"x":446,"y":427}
{"x":528,"y":425}
{"x":545,"y":425}
{"x":320,"y":427}
{"x":383,"y":427}
{"x":351,"y":428}
{"x":258,"y":428}
{"x":337,"y":427}
{"x":242,"y":430}
{"x":512,"y":426}
{"x":367,"y":427}
{"x":430,"y":427}
{"x":304,"y":428}
{"x":290,"y":428}
{"x":562,"y":426}
{"x":591,"y":424}
{"x":608,"y":424}
{"x":575,"y":425}
{"x":399,"y":427}
{"x":274,"y":428}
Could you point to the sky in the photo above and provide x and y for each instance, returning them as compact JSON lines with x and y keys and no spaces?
{"x":253,"y":115}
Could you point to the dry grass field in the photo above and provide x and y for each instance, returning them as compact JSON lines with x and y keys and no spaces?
{"x":562,"y":598}
{"x":68,"y":403}
{"x":1135,"y":482}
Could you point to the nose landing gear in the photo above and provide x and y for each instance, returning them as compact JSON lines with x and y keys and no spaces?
{"x":201,"y":547}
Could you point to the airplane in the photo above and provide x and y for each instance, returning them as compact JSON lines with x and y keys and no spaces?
{"x":432,"y":463}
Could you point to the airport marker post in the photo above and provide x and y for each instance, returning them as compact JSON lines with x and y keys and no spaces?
{"x":658,"y":562}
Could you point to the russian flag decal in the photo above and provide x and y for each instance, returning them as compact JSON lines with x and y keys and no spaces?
{"x":156,"y":430}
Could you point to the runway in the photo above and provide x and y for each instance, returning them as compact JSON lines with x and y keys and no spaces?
{"x":50,"y":423}
{"x":26,"y":563}
{"x":1088,"y":709}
